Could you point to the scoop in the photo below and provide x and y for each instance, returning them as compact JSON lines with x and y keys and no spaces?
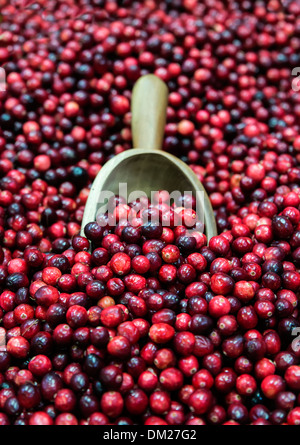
{"x":147,"y":168}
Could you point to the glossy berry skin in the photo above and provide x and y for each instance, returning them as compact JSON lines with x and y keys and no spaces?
{"x":171,"y":379}
{"x":272,"y":385}
{"x":293,"y":417}
{"x":136,"y":402}
{"x":221,"y":284}
{"x":148,"y":381}
{"x":112,"y":404}
{"x":40,"y":365}
{"x":18,"y":347}
{"x":65,"y":400}
{"x":170,"y":253}
{"x":184,"y":343}
{"x":29,"y":396}
{"x":246,"y":385}
{"x":200,"y":401}
{"x":219,"y":306}
{"x":40,"y":418}
{"x":291,"y":377}
{"x":120,"y":264}
{"x":161,"y":333}
{"x":46,"y":295}
{"x":76,"y":316}
{"x":160,"y":402}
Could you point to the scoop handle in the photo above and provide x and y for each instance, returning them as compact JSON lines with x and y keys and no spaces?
{"x":149,"y":108}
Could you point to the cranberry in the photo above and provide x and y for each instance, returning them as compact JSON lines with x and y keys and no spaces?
{"x":50,"y":384}
{"x":184,"y":343}
{"x":264,"y":368}
{"x":272,"y":385}
{"x":46,"y":295}
{"x":111,"y":377}
{"x":148,"y":381}
{"x":111,"y":316}
{"x":161,"y":333}
{"x":163,"y":358}
{"x":160,"y":402}
{"x":291,"y":377}
{"x":285,"y":400}
{"x":119,"y":346}
{"x":171,"y":379}
{"x":88,"y":405}
{"x":221,"y":284}
{"x":120,"y":264}
{"x":136,"y":402}
{"x":143,"y":304}
{"x":141,"y":264}
{"x":40,"y":365}
{"x":29,"y":396}
{"x":219,"y":306}
{"x":98,"y":419}
{"x":76,"y":316}
{"x":170,"y":253}
{"x":246,"y":385}
{"x":40,"y":418}
{"x":66,"y":419}
{"x":200,"y":401}
{"x":293,"y":417}
{"x":64,"y":400}
{"x":238,"y":412}
{"x":112,"y":403}
{"x":18,"y":347}
{"x":219,"y":245}
{"x":154,"y":420}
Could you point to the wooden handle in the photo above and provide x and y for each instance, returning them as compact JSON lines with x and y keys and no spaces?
{"x":149,"y":107}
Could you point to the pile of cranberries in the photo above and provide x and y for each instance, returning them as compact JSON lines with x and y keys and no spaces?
{"x":146,"y":322}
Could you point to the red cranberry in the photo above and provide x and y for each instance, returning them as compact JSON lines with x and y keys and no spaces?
{"x":291,"y":377}
{"x":40,"y":418}
{"x":136,"y":402}
{"x":29,"y":396}
{"x":40,"y":365}
{"x":50,"y":384}
{"x":171,"y":379}
{"x":272,"y":385}
{"x":18,"y":347}
{"x":200,"y":401}
{"x":112,"y":403}
{"x":160,"y":402}
{"x":65,"y":400}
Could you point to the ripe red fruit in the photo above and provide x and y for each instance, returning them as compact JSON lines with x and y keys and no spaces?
{"x":161,"y":333}
{"x":246,"y":385}
{"x":272,"y":385}
{"x":46,"y":295}
{"x":18,"y":347}
{"x":219,"y":306}
{"x":119,"y":347}
{"x":65,"y":400}
{"x":160,"y":402}
{"x":200,"y":401}
{"x":136,"y":402}
{"x":244,"y":291}
{"x":219,"y":245}
{"x":112,"y":404}
{"x":40,"y":418}
{"x":120,"y":264}
{"x":171,"y":379}
{"x":292,"y":377}
{"x":170,"y":253}
{"x":221,"y":284}
{"x":40,"y":365}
